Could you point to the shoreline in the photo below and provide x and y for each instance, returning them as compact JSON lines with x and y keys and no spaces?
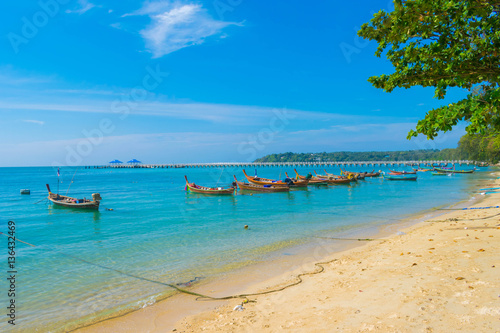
{"x":442,"y":275}
{"x":167,"y":314}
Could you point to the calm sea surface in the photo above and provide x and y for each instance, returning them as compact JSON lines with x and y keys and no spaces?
{"x":159,"y":231}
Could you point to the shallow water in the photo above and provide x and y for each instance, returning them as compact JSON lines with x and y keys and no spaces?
{"x":158,"y":231}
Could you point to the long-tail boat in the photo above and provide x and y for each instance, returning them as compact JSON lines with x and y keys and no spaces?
{"x":260,"y":188}
{"x":422,"y":170}
{"x":351,"y":177}
{"x":453,"y":171}
{"x":312,"y":180}
{"x":414,"y":172}
{"x":69,"y":202}
{"x":298,"y":182}
{"x":400,"y":177}
{"x":207,"y":190}
{"x":357,"y":175}
{"x":334,"y":179}
{"x":435,"y":173}
{"x":372,"y":174}
{"x":264,"y":181}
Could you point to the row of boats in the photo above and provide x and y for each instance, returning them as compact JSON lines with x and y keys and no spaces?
{"x":260,"y":184}
{"x":412,"y":175}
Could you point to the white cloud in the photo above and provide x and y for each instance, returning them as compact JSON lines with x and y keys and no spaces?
{"x":175,"y":26}
{"x":84,"y":5}
{"x":39,"y":122}
{"x":116,"y":25}
{"x":214,"y":113}
{"x":11,"y":78}
{"x":84,"y":91}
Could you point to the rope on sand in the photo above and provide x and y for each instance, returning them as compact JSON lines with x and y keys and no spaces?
{"x":351,"y":239}
{"x":453,"y":219}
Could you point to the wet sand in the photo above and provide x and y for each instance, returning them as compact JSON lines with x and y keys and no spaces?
{"x":441,"y":275}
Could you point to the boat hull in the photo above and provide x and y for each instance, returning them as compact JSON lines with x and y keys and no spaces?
{"x":62,"y":202}
{"x":265,"y":181}
{"x":192,"y":187}
{"x":453,"y":171}
{"x":261,"y":188}
{"x":400,"y":177}
{"x":404,"y":172}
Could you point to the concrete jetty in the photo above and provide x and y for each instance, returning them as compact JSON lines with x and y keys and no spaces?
{"x":282,"y":164}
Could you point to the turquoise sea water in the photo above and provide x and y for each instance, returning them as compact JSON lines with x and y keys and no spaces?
{"x":159,"y":231}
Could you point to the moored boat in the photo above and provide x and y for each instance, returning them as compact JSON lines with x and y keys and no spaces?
{"x":208,"y":190}
{"x":414,"y":172}
{"x":434,"y":173}
{"x":334,"y":179}
{"x":453,"y":171}
{"x":264,"y":181}
{"x":260,"y":188}
{"x":69,"y":202}
{"x":422,"y":170}
{"x":372,"y":174}
{"x":351,"y":177}
{"x":312,"y":179}
{"x":400,"y":177}
{"x":297,"y":182}
{"x":356,"y":175}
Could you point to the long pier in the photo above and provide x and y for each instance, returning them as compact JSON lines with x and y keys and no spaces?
{"x":282,"y":164}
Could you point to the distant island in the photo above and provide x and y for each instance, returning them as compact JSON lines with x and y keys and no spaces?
{"x":349,"y":156}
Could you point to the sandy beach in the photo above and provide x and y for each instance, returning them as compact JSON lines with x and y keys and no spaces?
{"x":440,"y":275}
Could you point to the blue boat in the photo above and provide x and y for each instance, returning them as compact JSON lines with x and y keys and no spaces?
{"x":400,"y":177}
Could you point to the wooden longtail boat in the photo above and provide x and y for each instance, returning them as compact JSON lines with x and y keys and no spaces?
{"x":356,"y":175}
{"x":264,"y":181}
{"x":329,"y":175}
{"x":404,"y":172}
{"x":69,"y":202}
{"x":453,"y":171}
{"x":261,"y":188}
{"x":207,"y":190}
{"x":297,"y":182}
{"x":312,"y":180}
{"x":434,"y":173}
{"x":372,"y":174}
{"x":422,"y":170}
{"x":334,"y":179}
{"x":400,"y":177}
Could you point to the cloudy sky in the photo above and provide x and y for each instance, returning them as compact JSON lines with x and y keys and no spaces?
{"x":86,"y":82}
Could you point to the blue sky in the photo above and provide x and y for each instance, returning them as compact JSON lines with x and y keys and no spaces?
{"x":86,"y":82}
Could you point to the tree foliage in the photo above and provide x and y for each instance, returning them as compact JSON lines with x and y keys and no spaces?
{"x":473,"y":147}
{"x":441,"y":44}
{"x":348,"y":156}
{"x":480,"y":147}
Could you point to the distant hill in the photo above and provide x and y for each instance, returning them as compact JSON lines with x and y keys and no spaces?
{"x":483,"y":147}
{"x":349,"y":156}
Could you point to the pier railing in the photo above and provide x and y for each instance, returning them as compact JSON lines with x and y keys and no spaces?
{"x":285,"y":164}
